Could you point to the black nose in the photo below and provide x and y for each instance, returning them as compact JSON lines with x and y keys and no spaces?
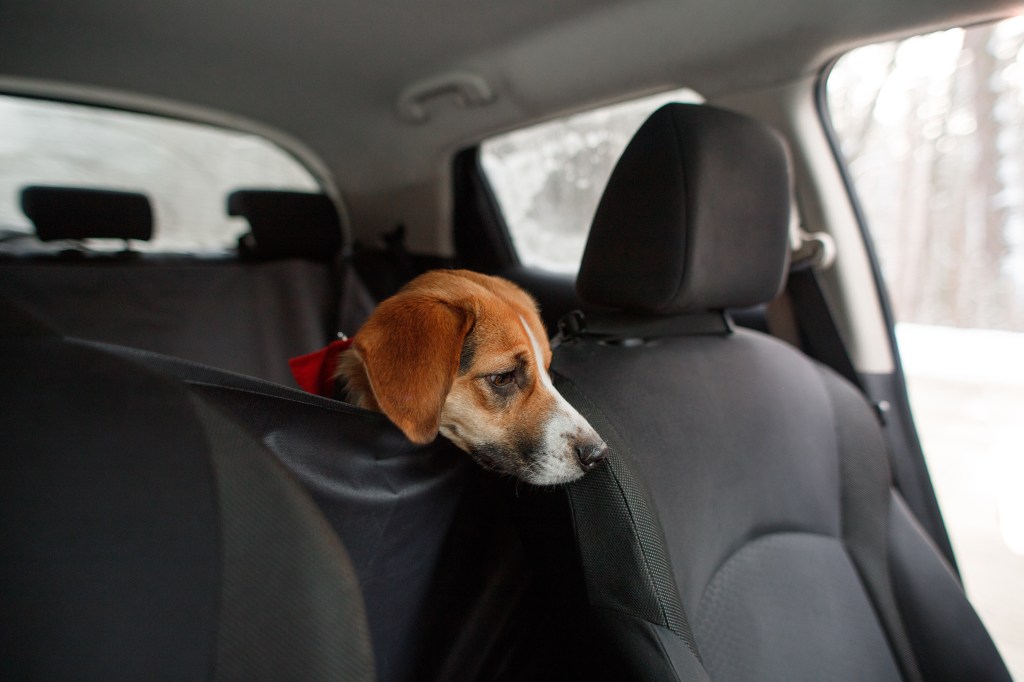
{"x":589,"y":454}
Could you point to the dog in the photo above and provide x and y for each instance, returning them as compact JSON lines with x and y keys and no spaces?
{"x":465,"y":355}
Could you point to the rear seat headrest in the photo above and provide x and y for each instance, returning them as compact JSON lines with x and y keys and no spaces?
{"x":76,"y":213}
{"x":695,"y":216}
{"x":287,"y":224}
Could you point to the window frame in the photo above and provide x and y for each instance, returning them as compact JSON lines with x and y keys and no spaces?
{"x":188,"y":114}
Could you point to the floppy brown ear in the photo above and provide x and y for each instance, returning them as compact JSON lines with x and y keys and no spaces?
{"x":410,"y":348}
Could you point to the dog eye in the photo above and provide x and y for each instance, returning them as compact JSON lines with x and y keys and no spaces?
{"x":503,"y":379}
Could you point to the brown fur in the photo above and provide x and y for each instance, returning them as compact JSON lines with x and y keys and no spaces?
{"x":405,"y":362}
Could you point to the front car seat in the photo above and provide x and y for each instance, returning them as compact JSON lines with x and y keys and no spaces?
{"x":146,"y":535}
{"x":746,"y":526}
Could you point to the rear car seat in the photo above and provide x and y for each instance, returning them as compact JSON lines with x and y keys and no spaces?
{"x":147,"y":536}
{"x":449,"y":593}
{"x":441,"y":568}
{"x":746,"y":526}
{"x":285,"y":295}
{"x":442,"y":571}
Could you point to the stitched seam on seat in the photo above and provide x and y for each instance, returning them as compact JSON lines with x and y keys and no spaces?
{"x":758,"y":537}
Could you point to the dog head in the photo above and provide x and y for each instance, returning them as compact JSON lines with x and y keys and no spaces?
{"x":465,"y":355}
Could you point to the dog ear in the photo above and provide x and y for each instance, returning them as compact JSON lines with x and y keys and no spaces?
{"x":410,"y":349}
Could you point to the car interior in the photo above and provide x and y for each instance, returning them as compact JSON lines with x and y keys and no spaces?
{"x":174,"y":506}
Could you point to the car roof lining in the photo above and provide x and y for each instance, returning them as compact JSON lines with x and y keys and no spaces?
{"x":326,"y":76}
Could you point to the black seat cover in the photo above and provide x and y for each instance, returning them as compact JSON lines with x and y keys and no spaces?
{"x":147,"y":536}
{"x":745,"y":527}
{"x":447,"y":590}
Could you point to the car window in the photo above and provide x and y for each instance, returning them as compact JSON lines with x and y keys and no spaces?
{"x":548,"y":178}
{"x":932,"y":129}
{"x":186,"y":169}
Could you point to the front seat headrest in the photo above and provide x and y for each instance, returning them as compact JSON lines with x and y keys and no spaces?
{"x":286,"y":224}
{"x":695,"y":216}
{"x":76,"y":213}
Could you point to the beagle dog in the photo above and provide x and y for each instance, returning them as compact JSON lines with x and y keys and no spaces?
{"x":465,"y":355}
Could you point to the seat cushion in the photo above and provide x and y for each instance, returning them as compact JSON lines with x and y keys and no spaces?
{"x":790,"y":606}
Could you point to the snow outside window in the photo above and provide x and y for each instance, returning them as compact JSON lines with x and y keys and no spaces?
{"x":186,"y":169}
{"x":932,"y":129}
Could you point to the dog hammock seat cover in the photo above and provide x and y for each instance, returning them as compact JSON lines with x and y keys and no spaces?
{"x":446,"y":596}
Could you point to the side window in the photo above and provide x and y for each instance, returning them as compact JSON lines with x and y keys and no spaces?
{"x":186,"y":169}
{"x":548,"y":178}
{"x":933,"y":131}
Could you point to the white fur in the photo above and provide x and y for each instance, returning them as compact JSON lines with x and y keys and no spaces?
{"x":559,"y":463}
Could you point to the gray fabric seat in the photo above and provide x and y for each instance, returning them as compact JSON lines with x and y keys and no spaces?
{"x":287,"y":294}
{"x":147,"y":535}
{"x":746,"y":526}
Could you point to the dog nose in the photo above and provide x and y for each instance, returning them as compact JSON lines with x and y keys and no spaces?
{"x":589,"y":454}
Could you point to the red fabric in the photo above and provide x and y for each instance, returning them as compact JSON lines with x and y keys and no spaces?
{"x":314,"y":371}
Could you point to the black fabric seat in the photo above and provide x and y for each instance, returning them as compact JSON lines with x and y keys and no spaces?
{"x":146,"y":535}
{"x":447,"y":591}
{"x":447,"y":588}
{"x":289,"y":292}
{"x":746,"y":526}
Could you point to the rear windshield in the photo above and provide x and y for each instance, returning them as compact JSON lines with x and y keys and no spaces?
{"x":186,"y":169}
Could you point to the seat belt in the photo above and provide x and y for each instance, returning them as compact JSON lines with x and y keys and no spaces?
{"x":816,"y":324}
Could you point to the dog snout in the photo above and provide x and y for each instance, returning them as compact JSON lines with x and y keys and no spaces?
{"x":589,"y":453}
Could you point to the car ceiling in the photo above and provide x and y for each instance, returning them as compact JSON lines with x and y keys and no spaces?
{"x":329,"y":73}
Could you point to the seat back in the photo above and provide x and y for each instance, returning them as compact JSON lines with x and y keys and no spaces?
{"x":284,"y":296}
{"x":147,"y":535}
{"x":744,"y":526}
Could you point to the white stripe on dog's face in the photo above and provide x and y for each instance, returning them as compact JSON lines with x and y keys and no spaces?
{"x":563,"y":428}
